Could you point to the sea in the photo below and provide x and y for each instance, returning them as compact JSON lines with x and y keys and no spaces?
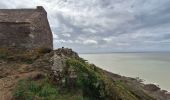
{"x":151,"y":67}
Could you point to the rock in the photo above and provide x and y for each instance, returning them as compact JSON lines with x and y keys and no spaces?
{"x":60,"y":72}
{"x":66,"y":52}
{"x":151,"y":87}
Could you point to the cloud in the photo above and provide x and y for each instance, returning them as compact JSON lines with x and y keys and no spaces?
{"x":94,"y":25}
{"x":66,"y":35}
{"x":90,"y":42}
{"x":122,"y":44}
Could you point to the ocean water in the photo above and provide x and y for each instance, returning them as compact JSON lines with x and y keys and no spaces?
{"x":151,"y":67}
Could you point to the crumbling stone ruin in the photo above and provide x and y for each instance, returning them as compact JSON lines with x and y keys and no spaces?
{"x":25,"y":28}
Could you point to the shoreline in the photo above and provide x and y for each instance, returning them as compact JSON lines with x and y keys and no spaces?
{"x":150,"y":88}
{"x":142,"y":80}
{"x":135,"y":66}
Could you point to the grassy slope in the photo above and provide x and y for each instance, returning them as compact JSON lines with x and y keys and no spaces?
{"x":92,"y":84}
{"x":101,"y":86}
{"x":43,"y":90}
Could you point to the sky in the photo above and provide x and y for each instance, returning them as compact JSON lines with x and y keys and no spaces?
{"x":94,"y":26}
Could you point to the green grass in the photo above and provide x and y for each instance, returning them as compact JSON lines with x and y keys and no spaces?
{"x":42,"y":90}
{"x":98,"y":86}
{"x":31,"y":90}
{"x":90,"y":79}
{"x":92,"y":83}
{"x":22,"y":54}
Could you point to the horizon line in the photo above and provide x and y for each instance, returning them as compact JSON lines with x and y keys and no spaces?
{"x":124,"y":52}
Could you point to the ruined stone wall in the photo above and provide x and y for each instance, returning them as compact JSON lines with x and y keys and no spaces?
{"x":41,"y":32}
{"x":25,"y":28}
{"x":16,"y":15}
{"x":14,"y":34}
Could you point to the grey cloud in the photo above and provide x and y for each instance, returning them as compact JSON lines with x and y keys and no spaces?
{"x":95,"y":25}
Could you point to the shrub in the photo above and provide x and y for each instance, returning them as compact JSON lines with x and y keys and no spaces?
{"x":88,"y":79}
{"x":43,"y":90}
{"x":30,"y":90}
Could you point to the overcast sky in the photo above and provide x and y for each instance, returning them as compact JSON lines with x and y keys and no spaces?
{"x":105,"y":25}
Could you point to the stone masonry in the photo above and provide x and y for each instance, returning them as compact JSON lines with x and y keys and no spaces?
{"x":25,"y":28}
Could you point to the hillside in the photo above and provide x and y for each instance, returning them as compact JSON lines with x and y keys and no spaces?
{"x":62,"y":75}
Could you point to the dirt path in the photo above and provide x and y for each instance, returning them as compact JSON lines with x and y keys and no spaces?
{"x":8,"y":83}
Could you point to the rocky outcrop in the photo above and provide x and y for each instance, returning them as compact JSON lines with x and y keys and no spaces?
{"x":67,"y":72}
{"x":151,"y":87}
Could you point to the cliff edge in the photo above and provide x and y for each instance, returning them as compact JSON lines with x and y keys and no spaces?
{"x":62,"y":75}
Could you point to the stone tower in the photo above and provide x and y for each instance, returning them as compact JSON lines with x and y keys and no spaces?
{"x":25,"y":28}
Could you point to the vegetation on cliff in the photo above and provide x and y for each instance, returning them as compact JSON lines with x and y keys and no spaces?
{"x":63,"y":75}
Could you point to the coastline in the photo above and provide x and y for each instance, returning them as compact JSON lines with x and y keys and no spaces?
{"x":149,"y":88}
{"x":135,"y":65}
{"x":65,"y":64}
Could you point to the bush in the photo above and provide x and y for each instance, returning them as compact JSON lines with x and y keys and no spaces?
{"x":30,"y":90}
{"x":88,"y":79}
{"x":43,"y":90}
